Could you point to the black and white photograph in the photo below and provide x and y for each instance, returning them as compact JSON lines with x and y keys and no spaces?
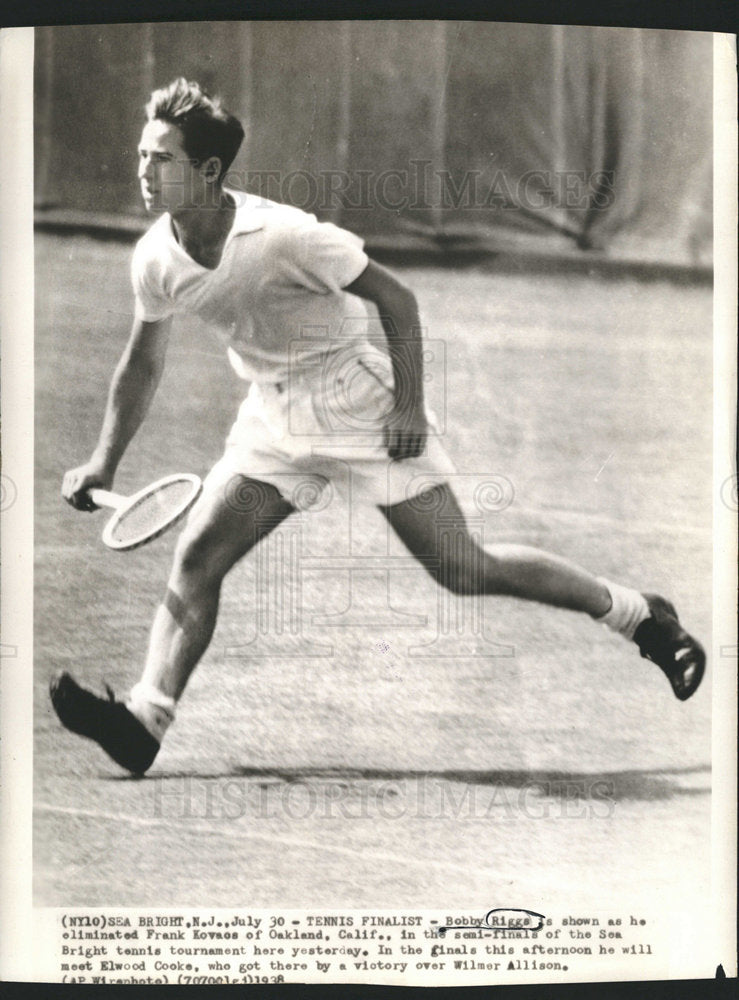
{"x":380,"y":533}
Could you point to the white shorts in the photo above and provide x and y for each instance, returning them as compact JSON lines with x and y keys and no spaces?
{"x":322,"y":434}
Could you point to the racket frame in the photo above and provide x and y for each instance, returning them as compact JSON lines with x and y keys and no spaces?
{"x":123,"y":504}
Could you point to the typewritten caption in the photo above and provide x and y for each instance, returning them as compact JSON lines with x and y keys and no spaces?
{"x":228,"y":947}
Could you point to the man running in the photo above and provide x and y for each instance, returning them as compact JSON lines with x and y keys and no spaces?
{"x":279,"y":287}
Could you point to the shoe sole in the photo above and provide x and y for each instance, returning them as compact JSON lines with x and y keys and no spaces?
{"x":686,"y":674}
{"x":109,"y":724}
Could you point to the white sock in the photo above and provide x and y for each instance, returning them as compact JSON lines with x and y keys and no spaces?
{"x":628,"y":609}
{"x":154,"y":709}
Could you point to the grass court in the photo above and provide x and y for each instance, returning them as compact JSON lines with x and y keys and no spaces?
{"x":396,"y":752}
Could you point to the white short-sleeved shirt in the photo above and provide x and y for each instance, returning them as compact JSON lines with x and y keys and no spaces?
{"x":277,"y":297}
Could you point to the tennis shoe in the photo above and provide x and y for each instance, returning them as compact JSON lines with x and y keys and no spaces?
{"x":662,"y":639}
{"x":104,"y":720}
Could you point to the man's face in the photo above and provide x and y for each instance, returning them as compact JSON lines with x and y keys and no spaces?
{"x":169,"y":180}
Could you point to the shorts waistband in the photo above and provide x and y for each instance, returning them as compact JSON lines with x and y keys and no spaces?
{"x":316,"y":369}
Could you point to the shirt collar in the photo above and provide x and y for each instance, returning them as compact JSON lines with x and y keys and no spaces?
{"x":250,"y":211}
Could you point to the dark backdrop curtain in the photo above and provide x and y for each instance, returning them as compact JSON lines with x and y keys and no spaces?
{"x":423,"y":133}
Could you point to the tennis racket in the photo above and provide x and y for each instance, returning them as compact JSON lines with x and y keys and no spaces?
{"x":143,"y":516}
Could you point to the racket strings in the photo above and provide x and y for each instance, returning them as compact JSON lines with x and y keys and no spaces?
{"x":153,"y":512}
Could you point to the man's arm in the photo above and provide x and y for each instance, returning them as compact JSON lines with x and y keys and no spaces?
{"x":405,"y":427}
{"x":132,"y":389}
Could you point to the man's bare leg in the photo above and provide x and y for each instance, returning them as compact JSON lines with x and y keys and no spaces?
{"x":434,"y":530}
{"x":219,"y":531}
{"x":216,"y":537}
{"x":436,"y":534}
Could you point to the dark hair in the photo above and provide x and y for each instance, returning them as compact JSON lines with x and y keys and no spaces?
{"x":207,"y":128}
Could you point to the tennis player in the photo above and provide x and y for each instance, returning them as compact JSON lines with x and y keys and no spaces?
{"x":284,"y":292}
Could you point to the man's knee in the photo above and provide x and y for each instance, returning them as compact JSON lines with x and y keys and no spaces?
{"x":468,"y":573}
{"x":198,"y":556}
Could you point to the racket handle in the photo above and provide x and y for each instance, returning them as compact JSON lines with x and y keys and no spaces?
{"x":104,"y":498}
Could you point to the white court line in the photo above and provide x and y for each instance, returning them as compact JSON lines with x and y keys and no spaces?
{"x":405,"y":861}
